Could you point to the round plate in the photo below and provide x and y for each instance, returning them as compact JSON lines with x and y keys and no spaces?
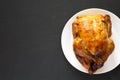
{"x":67,"y":41}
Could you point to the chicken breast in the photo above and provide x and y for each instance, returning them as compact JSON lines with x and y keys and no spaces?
{"x":92,"y":43}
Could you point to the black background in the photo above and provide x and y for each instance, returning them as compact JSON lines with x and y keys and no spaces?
{"x":30,"y":39}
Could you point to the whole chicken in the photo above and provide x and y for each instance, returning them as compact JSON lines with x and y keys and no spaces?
{"x":92,"y":42}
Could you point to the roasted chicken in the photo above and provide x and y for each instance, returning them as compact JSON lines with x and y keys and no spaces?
{"x":92,"y":42}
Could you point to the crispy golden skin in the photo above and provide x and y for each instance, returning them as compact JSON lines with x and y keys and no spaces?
{"x":92,"y":43}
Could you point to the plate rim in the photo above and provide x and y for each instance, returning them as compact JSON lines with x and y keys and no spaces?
{"x":64,"y":30}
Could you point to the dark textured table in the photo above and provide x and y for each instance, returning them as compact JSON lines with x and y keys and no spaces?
{"x":30,"y":39}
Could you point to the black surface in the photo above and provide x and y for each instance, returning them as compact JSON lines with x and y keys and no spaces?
{"x":30,"y":39}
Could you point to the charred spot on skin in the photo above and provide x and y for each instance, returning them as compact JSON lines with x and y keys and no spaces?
{"x":78,"y":17}
{"x":103,"y":21}
{"x":107,"y":17}
{"x":92,"y":67}
{"x":97,"y":53}
{"x":74,"y":29}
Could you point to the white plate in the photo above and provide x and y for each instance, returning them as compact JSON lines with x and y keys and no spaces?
{"x":67,"y":40}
